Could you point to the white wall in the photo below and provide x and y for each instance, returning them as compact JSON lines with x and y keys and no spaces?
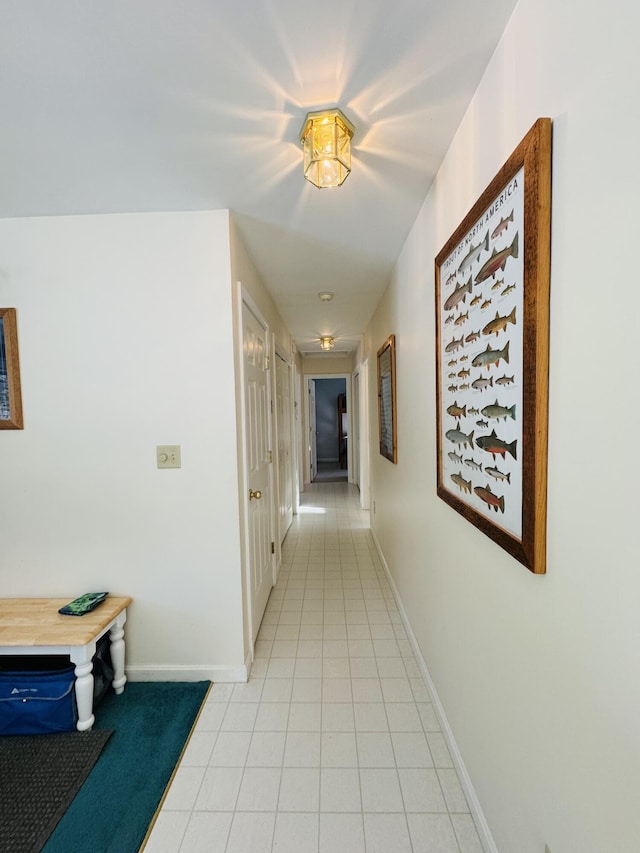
{"x":539,"y":676}
{"x":125,"y":336}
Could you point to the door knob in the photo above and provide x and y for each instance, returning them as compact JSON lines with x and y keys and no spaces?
{"x":257,"y":494}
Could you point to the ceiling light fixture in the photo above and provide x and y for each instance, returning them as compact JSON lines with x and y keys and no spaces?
{"x":326,"y":295}
{"x":326,"y":343}
{"x":326,"y":140}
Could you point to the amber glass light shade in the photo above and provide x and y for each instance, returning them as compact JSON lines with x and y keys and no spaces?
{"x":326,"y":140}
{"x":326,"y":343}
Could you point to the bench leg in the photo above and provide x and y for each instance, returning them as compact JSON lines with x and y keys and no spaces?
{"x":116,"y":635}
{"x":84,"y":695}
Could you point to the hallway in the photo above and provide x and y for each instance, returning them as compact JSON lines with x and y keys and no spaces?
{"x":333,"y":745}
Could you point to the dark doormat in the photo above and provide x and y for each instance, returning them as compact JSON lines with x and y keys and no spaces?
{"x":39,"y":777}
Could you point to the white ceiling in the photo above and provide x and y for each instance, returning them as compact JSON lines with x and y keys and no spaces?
{"x":147,"y":105}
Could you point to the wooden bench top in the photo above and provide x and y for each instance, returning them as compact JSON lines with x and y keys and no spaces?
{"x":36,"y":621}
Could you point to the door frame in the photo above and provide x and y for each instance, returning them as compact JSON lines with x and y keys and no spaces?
{"x":348,"y":381}
{"x":243,"y":297}
{"x":299,"y":416}
{"x":364,"y":482}
{"x":355,"y":426}
{"x":280,"y":352}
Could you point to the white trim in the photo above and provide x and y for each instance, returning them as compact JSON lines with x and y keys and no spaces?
{"x":484,"y":832}
{"x":279,"y":535}
{"x":348,"y":390}
{"x":163,"y":672}
{"x":247,"y":604}
{"x":364,"y":462}
{"x":243,"y":297}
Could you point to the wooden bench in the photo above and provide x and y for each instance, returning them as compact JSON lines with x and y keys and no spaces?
{"x":33,"y":626}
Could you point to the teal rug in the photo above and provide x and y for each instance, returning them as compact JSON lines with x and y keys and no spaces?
{"x":151,"y":722}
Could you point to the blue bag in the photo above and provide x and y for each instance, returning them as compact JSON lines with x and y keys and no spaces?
{"x":34,"y":703}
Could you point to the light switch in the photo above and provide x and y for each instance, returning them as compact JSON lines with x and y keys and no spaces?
{"x":168,"y":456}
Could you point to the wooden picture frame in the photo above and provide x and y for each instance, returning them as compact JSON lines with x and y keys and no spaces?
{"x":10,"y":392}
{"x":387,"y":399}
{"x":492,"y":355}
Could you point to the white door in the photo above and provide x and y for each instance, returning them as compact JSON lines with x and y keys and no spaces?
{"x":285,"y":445}
{"x":354,"y":433}
{"x":258,"y":475}
{"x":313,"y":435}
{"x":363,"y":410}
{"x":299,"y":473}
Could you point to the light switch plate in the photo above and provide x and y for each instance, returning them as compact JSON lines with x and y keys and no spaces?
{"x":168,"y":456}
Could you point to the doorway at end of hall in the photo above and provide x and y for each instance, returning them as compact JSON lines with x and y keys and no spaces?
{"x":331,"y":431}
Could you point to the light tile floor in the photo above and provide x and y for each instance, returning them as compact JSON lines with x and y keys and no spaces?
{"x":333,"y":745}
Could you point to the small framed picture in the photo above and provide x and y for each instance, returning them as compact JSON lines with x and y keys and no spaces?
{"x":10,"y":393}
{"x":387,"y":399}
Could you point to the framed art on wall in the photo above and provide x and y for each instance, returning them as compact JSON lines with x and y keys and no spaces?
{"x":492,"y":355}
{"x":387,"y":399}
{"x":10,"y":392}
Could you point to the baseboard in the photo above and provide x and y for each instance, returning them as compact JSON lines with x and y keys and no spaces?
{"x":249,"y":662}
{"x":465,"y":780}
{"x":160,"y":672}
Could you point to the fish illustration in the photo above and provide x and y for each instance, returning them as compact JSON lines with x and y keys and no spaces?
{"x":449,"y":319}
{"x":497,"y":474}
{"x":498,"y":284}
{"x":451,"y":375}
{"x":494,"y":445}
{"x":474,"y":253}
{"x":489,"y":498}
{"x":506,"y":380}
{"x":452,"y":363}
{"x":464,"y":373}
{"x":499,"y":324}
{"x":461,"y":318}
{"x":476,"y":299}
{"x":459,"y":294}
{"x":473,"y":411}
{"x":502,"y":226}
{"x":455,"y":458}
{"x":464,"y":358}
{"x":480,"y":383}
{"x":458,"y":437}
{"x":482,"y":424}
{"x":457,"y":411}
{"x":452,"y":388}
{"x":471,"y":463}
{"x":464,"y":386}
{"x":453,"y":344}
{"x":491,"y":356}
{"x":485,"y":304}
{"x":464,"y":485}
{"x":451,"y":278}
{"x":472,"y":336}
{"x":508,"y":289}
{"x":497,"y":261}
{"x":497,"y":411}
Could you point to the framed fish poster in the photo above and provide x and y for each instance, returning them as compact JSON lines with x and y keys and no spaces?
{"x":387,"y":399}
{"x":10,"y":393}
{"x":492,"y":354}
